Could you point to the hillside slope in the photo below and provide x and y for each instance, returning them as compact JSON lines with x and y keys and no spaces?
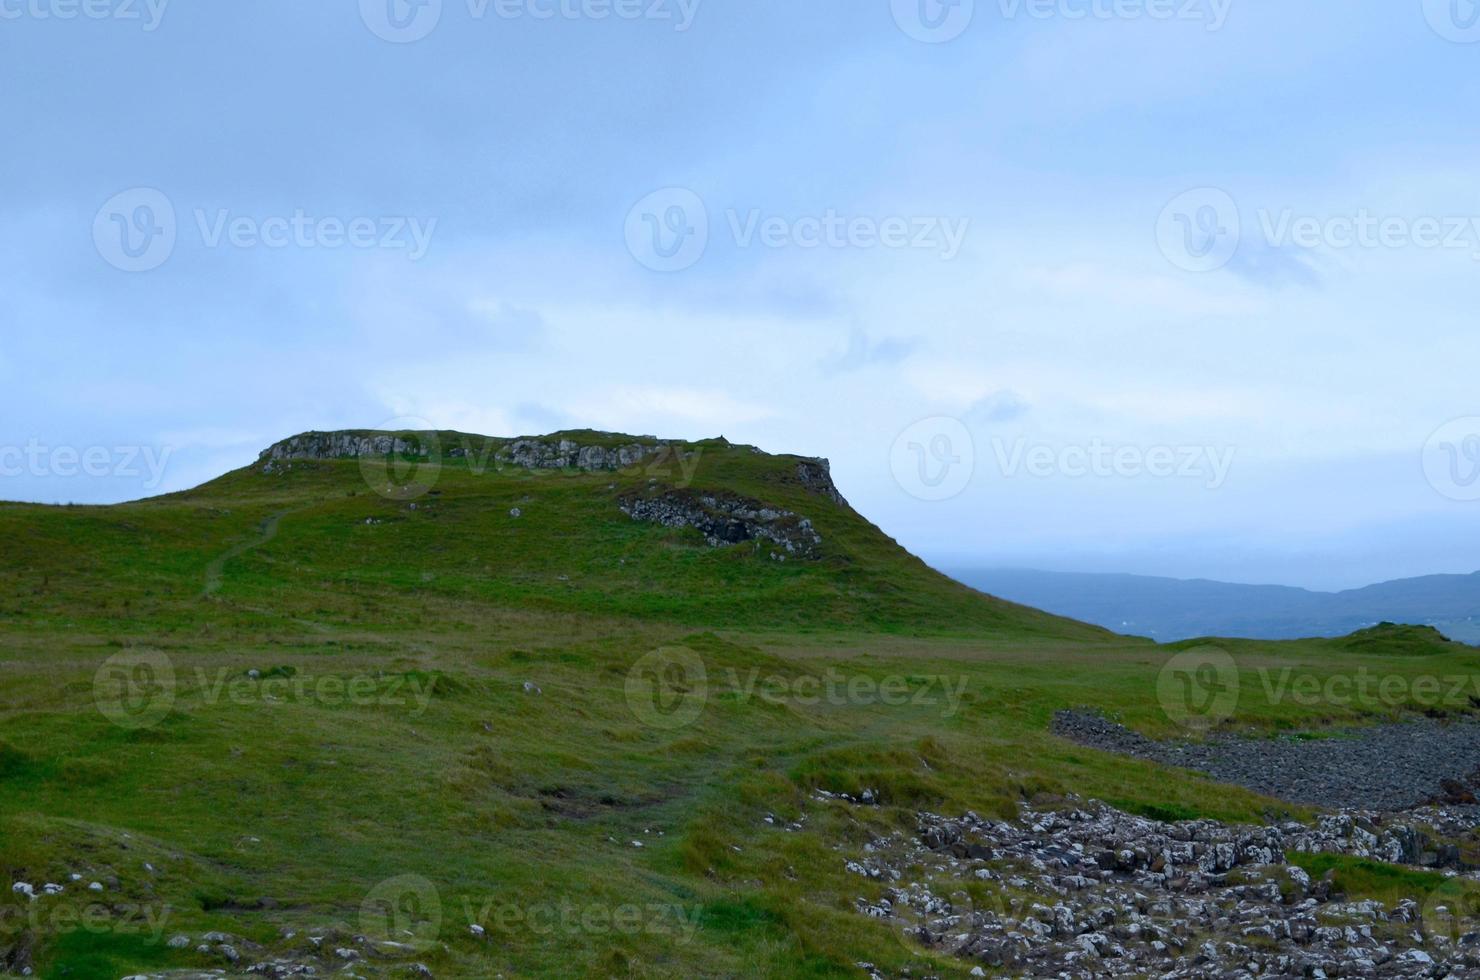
{"x":381,"y":529}
{"x":433,"y":705}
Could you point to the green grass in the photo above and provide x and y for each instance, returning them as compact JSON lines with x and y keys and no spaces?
{"x":1359,"y":879}
{"x":388,"y":736}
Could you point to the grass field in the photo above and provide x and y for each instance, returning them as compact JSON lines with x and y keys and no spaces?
{"x":290,"y":705}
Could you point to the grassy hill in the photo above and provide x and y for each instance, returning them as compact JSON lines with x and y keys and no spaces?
{"x":355,"y":703}
{"x":344,"y":552}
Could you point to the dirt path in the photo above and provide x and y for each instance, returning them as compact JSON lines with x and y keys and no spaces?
{"x":267,"y":530}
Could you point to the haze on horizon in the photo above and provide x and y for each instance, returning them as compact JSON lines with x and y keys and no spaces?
{"x":949,"y":247}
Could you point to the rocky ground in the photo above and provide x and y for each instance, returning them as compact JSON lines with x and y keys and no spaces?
{"x":726,"y":519}
{"x":1384,"y":767}
{"x":1091,"y":891}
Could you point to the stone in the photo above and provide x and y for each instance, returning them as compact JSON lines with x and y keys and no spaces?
{"x":1105,"y":908}
{"x":725,"y":519}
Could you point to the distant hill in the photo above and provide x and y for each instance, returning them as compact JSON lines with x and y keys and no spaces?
{"x":1175,"y":609}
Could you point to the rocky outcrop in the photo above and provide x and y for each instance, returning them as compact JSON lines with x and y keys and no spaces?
{"x":531,"y":454}
{"x":816,"y":476}
{"x":726,"y":519}
{"x":1093,"y":891}
{"x":536,"y":454}
{"x":343,"y":445}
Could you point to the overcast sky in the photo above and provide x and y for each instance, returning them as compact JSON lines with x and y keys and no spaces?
{"x":1179,"y":287}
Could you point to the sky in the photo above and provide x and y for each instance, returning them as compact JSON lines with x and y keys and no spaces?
{"x":1176,"y":287}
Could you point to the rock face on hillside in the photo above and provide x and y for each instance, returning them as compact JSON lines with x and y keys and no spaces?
{"x":536,"y":454}
{"x":548,"y":453}
{"x":816,"y":476}
{"x":725,"y":518}
{"x":337,"y":445}
{"x":533,"y":454}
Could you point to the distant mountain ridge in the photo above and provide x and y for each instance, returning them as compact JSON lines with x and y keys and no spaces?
{"x":1168,"y":609}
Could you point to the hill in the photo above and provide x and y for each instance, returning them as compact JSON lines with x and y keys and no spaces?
{"x":378,"y":529}
{"x":411,"y":704}
{"x":1173,"y":609}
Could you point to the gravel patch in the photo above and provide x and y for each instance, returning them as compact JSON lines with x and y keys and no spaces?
{"x":1382,"y":767}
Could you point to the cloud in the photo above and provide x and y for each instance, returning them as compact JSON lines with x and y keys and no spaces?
{"x":442,"y":307}
{"x":504,"y":326}
{"x":1167,"y":293}
{"x":543,"y":419}
{"x":1000,"y":406}
{"x":1270,"y":265}
{"x":655,"y":409}
{"x":862,"y":353}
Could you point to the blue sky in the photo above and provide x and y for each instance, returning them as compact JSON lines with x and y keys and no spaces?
{"x":1176,"y":286}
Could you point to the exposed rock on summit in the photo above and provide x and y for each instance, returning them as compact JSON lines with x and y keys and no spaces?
{"x":339,"y":445}
{"x":536,"y":454}
{"x":532,"y":454}
{"x":816,"y":476}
